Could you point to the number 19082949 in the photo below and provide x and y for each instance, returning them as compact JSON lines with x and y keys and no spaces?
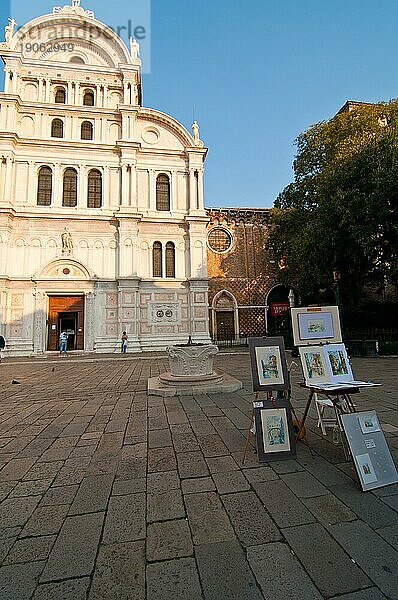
{"x":47,"y":47}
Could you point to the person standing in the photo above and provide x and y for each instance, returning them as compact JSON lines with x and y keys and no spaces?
{"x":124,"y":342}
{"x":63,"y":342}
{"x":2,"y":346}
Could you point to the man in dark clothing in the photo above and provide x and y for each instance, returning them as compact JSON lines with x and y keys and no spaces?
{"x":2,"y":346}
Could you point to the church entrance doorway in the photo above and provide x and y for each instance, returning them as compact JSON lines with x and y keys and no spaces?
{"x":66,"y":313}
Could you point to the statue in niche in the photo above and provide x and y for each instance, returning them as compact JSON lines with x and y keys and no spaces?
{"x":134,"y":49}
{"x":9,"y":30}
{"x":67,"y":242}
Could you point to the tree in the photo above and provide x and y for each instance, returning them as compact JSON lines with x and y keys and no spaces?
{"x":341,"y":211}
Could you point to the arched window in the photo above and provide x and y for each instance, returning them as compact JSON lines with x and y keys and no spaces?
{"x":44,"y":186}
{"x":157,"y":260}
{"x":88,"y":98}
{"x":87,"y":130}
{"x":162,"y":192}
{"x":77,"y":60}
{"x":94,"y":190}
{"x":60,"y":96}
{"x":69,"y":197}
{"x":170,"y":260}
{"x":57,"y":128}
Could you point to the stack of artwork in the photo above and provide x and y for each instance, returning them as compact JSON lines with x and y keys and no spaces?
{"x":273,"y":420}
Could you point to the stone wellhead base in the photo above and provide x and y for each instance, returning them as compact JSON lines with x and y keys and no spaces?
{"x":164,"y":386}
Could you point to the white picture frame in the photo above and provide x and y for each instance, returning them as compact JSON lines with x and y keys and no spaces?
{"x":275,"y":430}
{"x":338,"y":363}
{"x":316,"y":324}
{"x":315,"y":367}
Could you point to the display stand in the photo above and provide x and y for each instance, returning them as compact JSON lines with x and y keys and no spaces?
{"x":271,"y":419}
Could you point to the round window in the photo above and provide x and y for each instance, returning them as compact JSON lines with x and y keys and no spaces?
{"x":219,"y":239}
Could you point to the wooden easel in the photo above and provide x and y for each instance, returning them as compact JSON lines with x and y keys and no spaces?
{"x":249,"y":431}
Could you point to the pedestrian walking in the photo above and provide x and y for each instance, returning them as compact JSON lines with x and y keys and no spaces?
{"x":63,"y":343}
{"x":124,"y":342}
{"x":2,"y":346}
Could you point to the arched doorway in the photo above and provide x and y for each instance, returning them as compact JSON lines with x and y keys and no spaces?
{"x":225,"y":317}
{"x":278,"y":302}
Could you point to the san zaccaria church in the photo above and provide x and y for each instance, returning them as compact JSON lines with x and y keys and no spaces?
{"x":102,"y":220}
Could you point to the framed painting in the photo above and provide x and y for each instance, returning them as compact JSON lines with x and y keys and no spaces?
{"x":268,"y":364}
{"x":316,"y":324}
{"x":338,"y":363}
{"x":315,"y":366}
{"x":274,"y":431}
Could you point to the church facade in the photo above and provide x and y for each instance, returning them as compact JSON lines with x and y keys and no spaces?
{"x":102,"y":220}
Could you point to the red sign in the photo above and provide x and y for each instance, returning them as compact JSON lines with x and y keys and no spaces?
{"x":279,"y":308}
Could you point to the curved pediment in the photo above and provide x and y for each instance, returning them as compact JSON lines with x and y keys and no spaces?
{"x":63,"y":36}
{"x":65,"y":268}
{"x":158,"y":130}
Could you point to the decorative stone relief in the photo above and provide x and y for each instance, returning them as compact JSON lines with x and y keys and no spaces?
{"x":165,"y":313}
{"x":191,"y":360}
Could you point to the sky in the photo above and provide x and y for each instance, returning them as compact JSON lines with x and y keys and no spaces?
{"x":253,"y":73}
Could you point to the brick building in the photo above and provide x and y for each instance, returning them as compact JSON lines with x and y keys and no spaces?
{"x":245,"y":298}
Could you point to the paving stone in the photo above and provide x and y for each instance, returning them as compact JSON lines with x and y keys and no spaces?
{"x":168,"y":539}
{"x":162,"y":482}
{"x":74,"y":552}
{"x":323,"y":558}
{"x":285,"y":508}
{"x":16,"y":469}
{"x":93,"y":495}
{"x":161,"y":459}
{"x":376,"y":558}
{"x":46,"y":470}
{"x":119,"y":572}
{"x":8,"y":537}
{"x":304,"y":485}
{"x":45,"y":520}
{"x":6,"y":488}
{"x":192,"y":464}
{"x":279,"y":573}
{"x":164,"y":506}
{"x":283,"y":467}
{"x":368,"y":508}
{"x":329,"y":510}
{"x":391,"y":501}
{"x":324,"y":471}
{"x":260,"y":474}
{"x":14,"y":512}
{"x":18,"y":582}
{"x":30,"y":549}
{"x":207,"y":518}
{"x":221,"y":464}
{"x":390,"y":534}
{"x":173,"y":579}
{"x":225,"y":573}
{"x":59,"y":495}
{"x":200,"y":484}
{"x":212,"y":445}
{"x":73,"y":589}
{"x":31,"y":488}
{"x":368,"y":594}
{"x":159,"y":438}
{"x":125,"y":519}
{"x":249,"y":519}
{"x":232,"y":481}
{"x":124,"y":487}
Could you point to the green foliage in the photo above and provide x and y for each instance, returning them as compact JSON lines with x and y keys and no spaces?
{"x":341,"y":211}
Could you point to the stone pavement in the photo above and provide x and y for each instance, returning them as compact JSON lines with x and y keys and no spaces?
{"x":107,"y":493}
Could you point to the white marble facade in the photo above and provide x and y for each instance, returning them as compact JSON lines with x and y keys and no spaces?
{"x":134,"y":182}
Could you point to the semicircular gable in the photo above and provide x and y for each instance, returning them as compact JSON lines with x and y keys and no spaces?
{"x":156,"y":128}
{"x":90,"y":38}
{"x":65,"y":268}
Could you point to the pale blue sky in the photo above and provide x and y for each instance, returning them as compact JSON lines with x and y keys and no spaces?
{"x":258,"y":72}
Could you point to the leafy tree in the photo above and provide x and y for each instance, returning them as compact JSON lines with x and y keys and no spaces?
{"x":341,"y":211}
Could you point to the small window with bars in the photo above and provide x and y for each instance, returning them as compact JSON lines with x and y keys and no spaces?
{"x":44,"y":186}
{"x":88,"y":98}
{"x":87,"y":130}
{"x":94,"y":189}
{"x":60,"y":96}
{"x":170,"y":260}
{"x":162,"y":192}
{"x":57,"y":128}
{"x":157,"y":260}
{"x":69,"y":196}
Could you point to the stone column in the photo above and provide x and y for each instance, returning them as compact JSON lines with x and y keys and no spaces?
{"x":192,"y":190}
{"x":133,"y":185}
{"x":57,"y":185}
{"x":200,"y":201}
{"x":152,"y":190}
{"x":89,"y":334}
{"x":82,"y":187}
{"x":174,"y":191}
{"x":125,"y":186}
{"x":8,"y":179}
{"x":69,"y":98}
{"x":48,"y":90}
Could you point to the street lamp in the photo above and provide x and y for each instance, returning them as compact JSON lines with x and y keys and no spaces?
{"x":337,"y":279}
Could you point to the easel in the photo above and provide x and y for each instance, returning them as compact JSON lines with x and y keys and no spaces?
{"x":250,"y":430}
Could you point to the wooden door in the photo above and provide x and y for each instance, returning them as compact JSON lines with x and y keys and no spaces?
{"x":66,"y":310}
{"x":225,"y":325}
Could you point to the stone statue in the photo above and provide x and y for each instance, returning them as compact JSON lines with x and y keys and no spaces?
{"x":67,"y":243}
{"x":75,"y":3}
{"x":195,"y":131}
{"x":9,"y":31}
{"x":134,"y":49}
